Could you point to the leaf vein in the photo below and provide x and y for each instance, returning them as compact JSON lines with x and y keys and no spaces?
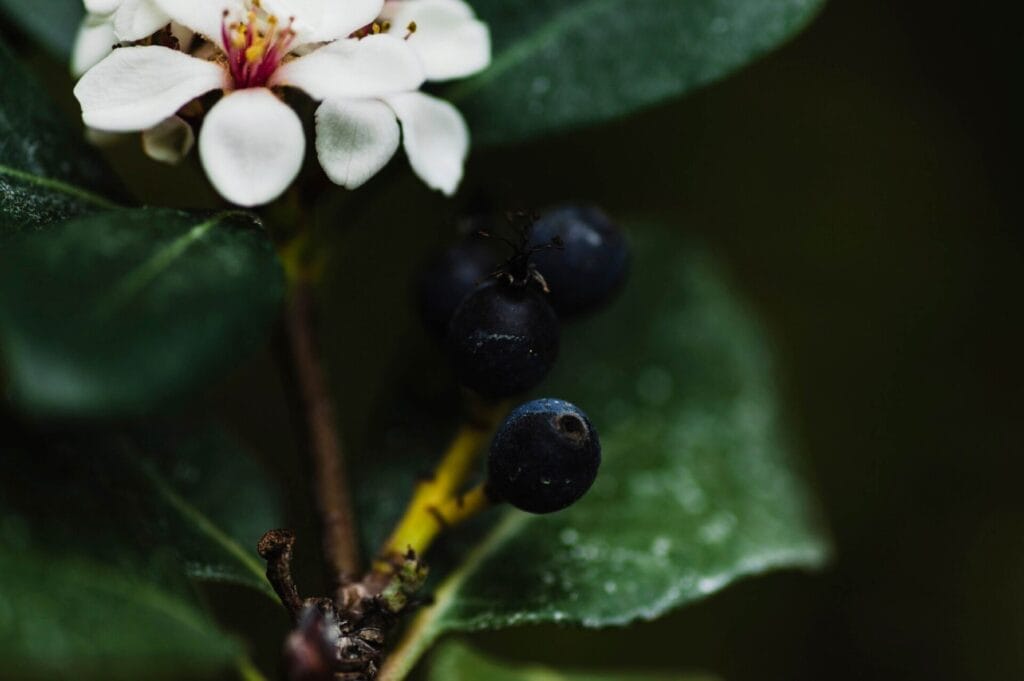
{"x":203,"y":524}
{"x":58,"y":186}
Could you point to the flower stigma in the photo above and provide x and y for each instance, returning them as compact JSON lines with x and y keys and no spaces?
{"x":256,"y":46}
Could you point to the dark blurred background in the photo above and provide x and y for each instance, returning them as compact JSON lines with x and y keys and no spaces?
{"x":862,"y":185}
{"x":859,"y":184}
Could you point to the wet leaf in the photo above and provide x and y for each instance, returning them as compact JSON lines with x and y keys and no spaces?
{"x":698,"y":487}
{"x":97,"y":539}
{"x":456,"y":661}
{"x":117,"y":313}
{"x":47,"y":172}
{"x":561,"y":64}
{"x":77,"y":619}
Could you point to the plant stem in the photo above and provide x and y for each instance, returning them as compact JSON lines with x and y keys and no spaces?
{"x":247,"y":671}
{"x":436,"y":502}
{"x":330,"y":475}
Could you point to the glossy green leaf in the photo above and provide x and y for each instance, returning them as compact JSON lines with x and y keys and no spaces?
{"x":560,"y":64}
{"x":698,"y":487}
{"x":116,"y":313}
{"x":97,"y":539}
{"x":215,"y":502}
{"x":75,"y":619}
{"x":455,"y":661}
{"x":47,"y":172}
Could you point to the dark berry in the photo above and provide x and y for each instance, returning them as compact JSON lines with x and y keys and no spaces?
{"x":592,"y":263}
{"x":503,"y":339}
{"x":544,"y":457}
{"x":449,"y":277}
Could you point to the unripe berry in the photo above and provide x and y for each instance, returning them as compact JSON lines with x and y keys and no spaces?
{"x":544,"y":457}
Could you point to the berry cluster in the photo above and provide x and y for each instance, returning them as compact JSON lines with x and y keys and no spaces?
{"x":501,"y":325}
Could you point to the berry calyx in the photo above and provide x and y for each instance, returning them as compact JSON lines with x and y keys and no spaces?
{"x":544,"y":457}
{"x":592,"y":263}
{"x":503,"y":339}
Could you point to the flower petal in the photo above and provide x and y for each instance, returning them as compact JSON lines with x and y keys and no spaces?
{"x":325,"y":20}
{"x":101,"y":6}
{"x":451,"y":41}
{"x":251,"y":145}
{"x":202,"y":16}
{"x":355,"y":138}
{"x":342,"y":18}
{"x":369,"y":67}
{"x":170,"y":141}
{"x":137,"y":87}
{"x":94,"y":41}
{"x":137,"y":19}
{"x":435,"y":138}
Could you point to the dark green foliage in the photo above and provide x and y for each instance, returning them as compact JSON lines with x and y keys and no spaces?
{"x":116,"y":313}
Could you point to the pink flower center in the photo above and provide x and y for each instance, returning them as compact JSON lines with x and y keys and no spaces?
{"x":255,"y":46}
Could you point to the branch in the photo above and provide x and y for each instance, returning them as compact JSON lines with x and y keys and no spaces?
{"x":330,"y":476}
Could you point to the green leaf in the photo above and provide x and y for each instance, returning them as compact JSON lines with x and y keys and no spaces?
{"x":53,"y":23}
{"x":47,"y":172}
{"x":698,"y":487}
{"x":561,"y":64}
{"x":113,"y":314}
{"x":215,"y":502}
{"x":97,"y":537}
{"x":76,"y":619}
{"x":456,"y":661}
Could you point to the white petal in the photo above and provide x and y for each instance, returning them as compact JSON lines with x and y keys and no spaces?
{"x":451,"y":42}
{"x":137,"y":19}
{"x":94,"y":41}
{"x":435,"y":138}
{"x":170,"y":141}
{"x":202,"y":16}
{"x":252,"y":146}
{"x":342,"y":18}
{"x":355,"y":138}
{"x":371,"y":67}
{"x":101,"y":6}
{"x":325,"y":20}
{"x":137,"y":87}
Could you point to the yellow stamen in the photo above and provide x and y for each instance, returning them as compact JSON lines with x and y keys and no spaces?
{"x":238,"y":36}
{"x":255,"y":51}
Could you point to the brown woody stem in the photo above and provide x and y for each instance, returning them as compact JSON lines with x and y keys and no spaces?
{"x":330,"y":475}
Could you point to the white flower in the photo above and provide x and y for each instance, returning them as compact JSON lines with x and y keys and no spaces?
{"x":251,"y":144}
{"x":355,"y":139}
{"x":109,"y":22}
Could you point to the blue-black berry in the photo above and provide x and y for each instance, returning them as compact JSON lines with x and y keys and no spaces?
{"x":449,"y":277}
{"x":592,"y":263}
{"x":544,"y":457}
{"x":503,"y":339}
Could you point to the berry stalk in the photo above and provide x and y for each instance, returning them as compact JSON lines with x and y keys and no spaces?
{"x":437,"y":504}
